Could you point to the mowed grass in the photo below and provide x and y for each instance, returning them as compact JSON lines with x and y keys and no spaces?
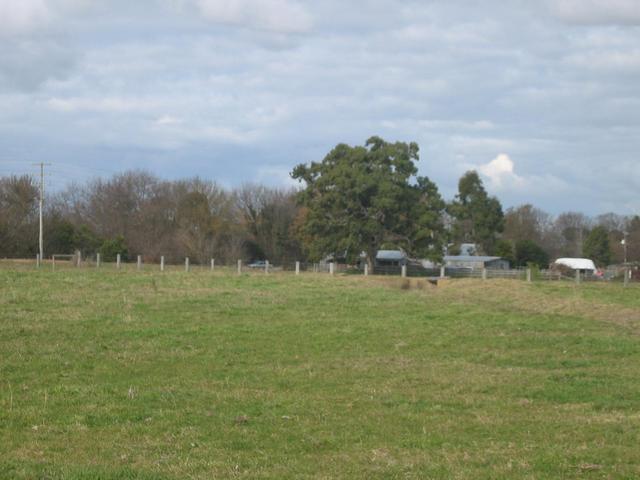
{"x":125,"y":375}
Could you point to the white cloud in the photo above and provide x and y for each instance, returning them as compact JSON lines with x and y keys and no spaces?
{"x":33,"y":47}
{"x":501,"y":173}
{"x":469,"y":145}
{"x":103,"y":105}
{"x":277,"y":175}
{"x":171,"y":133}
{"x":223,"y":134}
{"x":26,"y":64}
{"x":168,"y":120}
{"x":607,"y":60}
{"x":284,"y":16}
{"x":598,"y":12}
{"x":18,"y":17}
{"x":452,"y":35}
{"x":466,"y":80}
{"x":453,"y":125}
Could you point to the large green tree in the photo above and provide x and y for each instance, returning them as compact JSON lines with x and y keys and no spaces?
{"x":597,"y":247}
{"x":528,"y":251}
{"x":478,"y":218}
{"x":359,"y":197}
{"x":504,"y":249}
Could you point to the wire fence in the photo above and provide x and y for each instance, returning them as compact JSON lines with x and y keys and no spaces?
{"x":626,"y":274}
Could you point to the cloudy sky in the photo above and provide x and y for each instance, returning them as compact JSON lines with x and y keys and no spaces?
{"x":541,"y":97}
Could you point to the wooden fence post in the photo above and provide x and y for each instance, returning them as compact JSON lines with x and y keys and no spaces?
{"x":213,"y":264}
{"x":139,"y":262}
{"x":529,"y":275}
{"x":186,"y":264}
{"x":97,"y":260}
{"x":239,"y":267}
{"x":79,"y":259}
{"x":297,"y":268}
{"x":162,"y":263}
{"x":366,"y":269}
{"x":37,"y":260}
{"x":627,"y":275}
{"x":403,"y":271}
{"x":484,"y":274}
{"x":578,"y":279}
{"x":266,"y":267}
{"x":331,"y":268}
{"x":442,"y":271}
{"x":118,"y":260}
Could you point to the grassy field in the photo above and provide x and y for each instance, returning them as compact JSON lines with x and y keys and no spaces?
{"x":112,"y":375}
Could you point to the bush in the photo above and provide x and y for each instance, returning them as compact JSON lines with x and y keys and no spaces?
{"x":111,"y":247}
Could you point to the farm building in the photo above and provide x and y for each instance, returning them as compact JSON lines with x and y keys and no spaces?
{"x":391,"y":258}
{"x":476,"y":261}
{"x":584,"y":265}
{"x":468,"y":249}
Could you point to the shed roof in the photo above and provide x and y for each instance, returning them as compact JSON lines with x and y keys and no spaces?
{"x":577,"y":263}
{"x":390,"y":255}
{"x":470,"y":258}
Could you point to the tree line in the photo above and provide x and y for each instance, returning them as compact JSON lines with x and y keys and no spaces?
{"x":137,"y":213}
{"x":357,"y":199}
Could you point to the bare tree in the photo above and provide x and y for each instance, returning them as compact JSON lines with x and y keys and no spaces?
{"x":526,"y":222}
{"x":18,"y":216}
{"x":571,"y":229}
{"x":268,"y":215}
{"x":612,"y":222}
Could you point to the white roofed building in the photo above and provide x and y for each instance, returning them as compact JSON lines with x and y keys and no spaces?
{"x":581,"y":264}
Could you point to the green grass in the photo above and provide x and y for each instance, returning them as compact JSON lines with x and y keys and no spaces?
{"x":114,"y":375}
{"x":602,"y":292}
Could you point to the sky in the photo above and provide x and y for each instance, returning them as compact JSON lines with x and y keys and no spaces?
{"x":542,"y":97}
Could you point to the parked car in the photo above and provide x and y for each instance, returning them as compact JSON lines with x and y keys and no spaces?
{"x":258,"y":264}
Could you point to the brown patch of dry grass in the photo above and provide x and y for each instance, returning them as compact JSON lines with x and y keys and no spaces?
{"x":510,"y":295}
{"x":391,"y":282}
{"x":505,"y":295}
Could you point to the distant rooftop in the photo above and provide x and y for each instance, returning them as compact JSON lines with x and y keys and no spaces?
{"x":468,"y":249}
{"x":576,"y":263}
{"x":470,"y":258}
{"x":390,"y":255}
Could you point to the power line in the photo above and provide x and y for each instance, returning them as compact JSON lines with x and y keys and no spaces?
{"x":87,"y":168}
{"x":62,"y":165}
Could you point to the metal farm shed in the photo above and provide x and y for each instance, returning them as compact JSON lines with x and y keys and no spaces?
{"x":476,"y":261}
{"x":390,"y":258}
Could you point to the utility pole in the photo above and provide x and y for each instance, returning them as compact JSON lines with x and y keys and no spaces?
{"x":624,"y":244}
{"x":580,"y":232}
{"x":41,"y":239}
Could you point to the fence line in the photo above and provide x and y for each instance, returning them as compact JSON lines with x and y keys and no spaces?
{"x":627,"y":275}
